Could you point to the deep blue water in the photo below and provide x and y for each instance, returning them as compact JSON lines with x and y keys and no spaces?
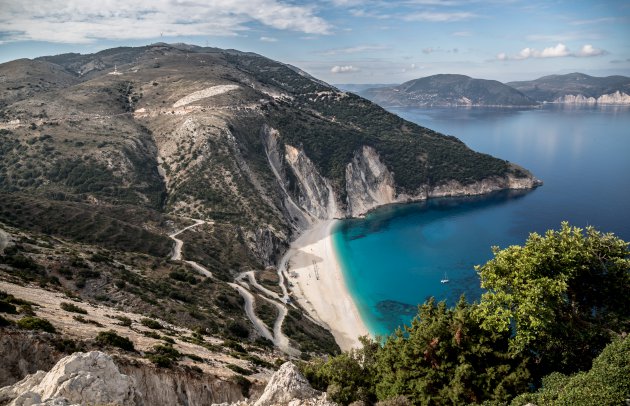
{"x":395,"y":257}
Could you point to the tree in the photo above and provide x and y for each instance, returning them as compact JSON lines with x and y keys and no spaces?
{"x":605,"y":384}
{"x":445,"y":357}
{"x":563,"y":296}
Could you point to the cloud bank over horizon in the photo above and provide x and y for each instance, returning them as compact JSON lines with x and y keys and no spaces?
{"x":363,"y":41}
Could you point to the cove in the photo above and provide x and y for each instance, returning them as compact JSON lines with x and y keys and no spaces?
{"x":394,"y":258}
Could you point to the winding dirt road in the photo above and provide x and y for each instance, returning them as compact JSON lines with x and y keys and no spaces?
{"x":278,"y":338}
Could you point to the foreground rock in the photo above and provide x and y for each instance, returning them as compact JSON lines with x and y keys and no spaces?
{"x":287,"y":387}
{"x":81,"y":378}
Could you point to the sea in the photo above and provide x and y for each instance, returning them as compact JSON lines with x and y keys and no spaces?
{"x":395,"y":257}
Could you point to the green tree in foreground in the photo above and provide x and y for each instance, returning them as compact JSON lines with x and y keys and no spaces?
{"x":606,"y":384}
{"x":446,"y":357}
{"x":563,"y":296}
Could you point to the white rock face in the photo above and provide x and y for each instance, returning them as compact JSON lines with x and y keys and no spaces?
{"x":612,"y":98}
{"x":289,"y":387}
{"x":368,"y":182}
{"x":316,"y":193}
{"x":81,"y":378}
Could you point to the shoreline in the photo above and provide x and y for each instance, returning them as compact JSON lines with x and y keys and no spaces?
{"x":318,"y":284}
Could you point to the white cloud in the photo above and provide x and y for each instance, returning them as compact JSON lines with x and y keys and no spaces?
{"x":462,"y":34}
{"x":558,"y":51}
{"x":344,"y":69}
{"x":554,"y":52}
{"x":430,"y":16}
{"x":428,"y":50}
{"x":77,"y":21}
{"x":354,"y":50}
{"x":268,"y":39}
{"x":589,"y":50}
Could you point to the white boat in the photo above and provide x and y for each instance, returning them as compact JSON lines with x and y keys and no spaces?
{"x":445,"y":279}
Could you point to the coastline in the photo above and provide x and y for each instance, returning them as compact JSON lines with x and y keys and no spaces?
{"x":318,"y":284}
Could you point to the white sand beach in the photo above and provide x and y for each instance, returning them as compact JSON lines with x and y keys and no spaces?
{"x":319,"y":285}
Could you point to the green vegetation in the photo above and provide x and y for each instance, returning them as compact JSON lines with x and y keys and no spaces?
{"x":562,"y":295}
{"x":71,"y":307}
{"x":551,"y":307}
{"x":113,"y":339}
{"x":119,"y":228}
{"x":164,"y":356}
{"x":150,"y":323}
{"x":605,"y":384}
{"x":36,"y":323}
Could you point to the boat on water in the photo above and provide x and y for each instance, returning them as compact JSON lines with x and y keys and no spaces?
{"x":445,"y":279}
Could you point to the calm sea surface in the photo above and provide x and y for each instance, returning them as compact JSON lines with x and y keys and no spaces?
{"x":395,"y":257}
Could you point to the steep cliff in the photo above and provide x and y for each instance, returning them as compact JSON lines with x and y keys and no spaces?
{"x":95,"y":378}
{"x":615,"y":98}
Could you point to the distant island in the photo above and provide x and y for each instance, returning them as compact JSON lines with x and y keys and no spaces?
{"x":449,"y":90}
{"x":577,"y":88}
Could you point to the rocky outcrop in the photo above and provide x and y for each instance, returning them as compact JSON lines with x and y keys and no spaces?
{"x":81,"y":378}
{"x":94,"y":378}
{"x":316,"y":193}
{"x":612,"y":98}
{"x":368,"y":182}
{"x":287,"y":387}
{"x":298,"y":216}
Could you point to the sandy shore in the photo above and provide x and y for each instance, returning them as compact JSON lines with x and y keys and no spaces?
{"x":319,"y":286}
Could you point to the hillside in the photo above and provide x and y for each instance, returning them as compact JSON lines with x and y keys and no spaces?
{"x":167,"y":181}
{"x":577,"y":88}
{"x":447,"y":91}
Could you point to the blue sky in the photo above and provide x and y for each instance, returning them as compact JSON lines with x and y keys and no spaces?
{"x":344,"y":41}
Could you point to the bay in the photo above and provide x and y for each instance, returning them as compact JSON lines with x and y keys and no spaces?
{"x":395,"y":258}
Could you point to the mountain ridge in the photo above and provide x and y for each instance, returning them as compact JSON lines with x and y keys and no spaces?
{"x":449,"y":90}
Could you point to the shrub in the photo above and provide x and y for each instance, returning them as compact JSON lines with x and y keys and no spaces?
{"x":150,"y":323}
{"x":35,"y":323}
{"x":7,"y":308}
{"x":124,"y":321}
{"x":164,"y":356}
{"x":113,"y":339}
{"x":71,"y":307}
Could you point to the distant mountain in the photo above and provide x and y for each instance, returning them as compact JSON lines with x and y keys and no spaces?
{"x":358,"y":88}
{"x":577,"y":88}
{"x":448,"y":90}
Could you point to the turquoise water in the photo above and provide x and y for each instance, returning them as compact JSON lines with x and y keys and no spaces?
{"x":395,"y":257}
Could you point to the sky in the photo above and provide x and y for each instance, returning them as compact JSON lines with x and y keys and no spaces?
{"x":344,"y":41}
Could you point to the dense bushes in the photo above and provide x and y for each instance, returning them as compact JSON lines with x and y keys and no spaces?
{"x":35,"y":323}
{"x":112,"y":338}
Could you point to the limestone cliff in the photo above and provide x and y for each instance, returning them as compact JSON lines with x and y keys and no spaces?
{"x":612,"y":98}
{"x":368,"y":182}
